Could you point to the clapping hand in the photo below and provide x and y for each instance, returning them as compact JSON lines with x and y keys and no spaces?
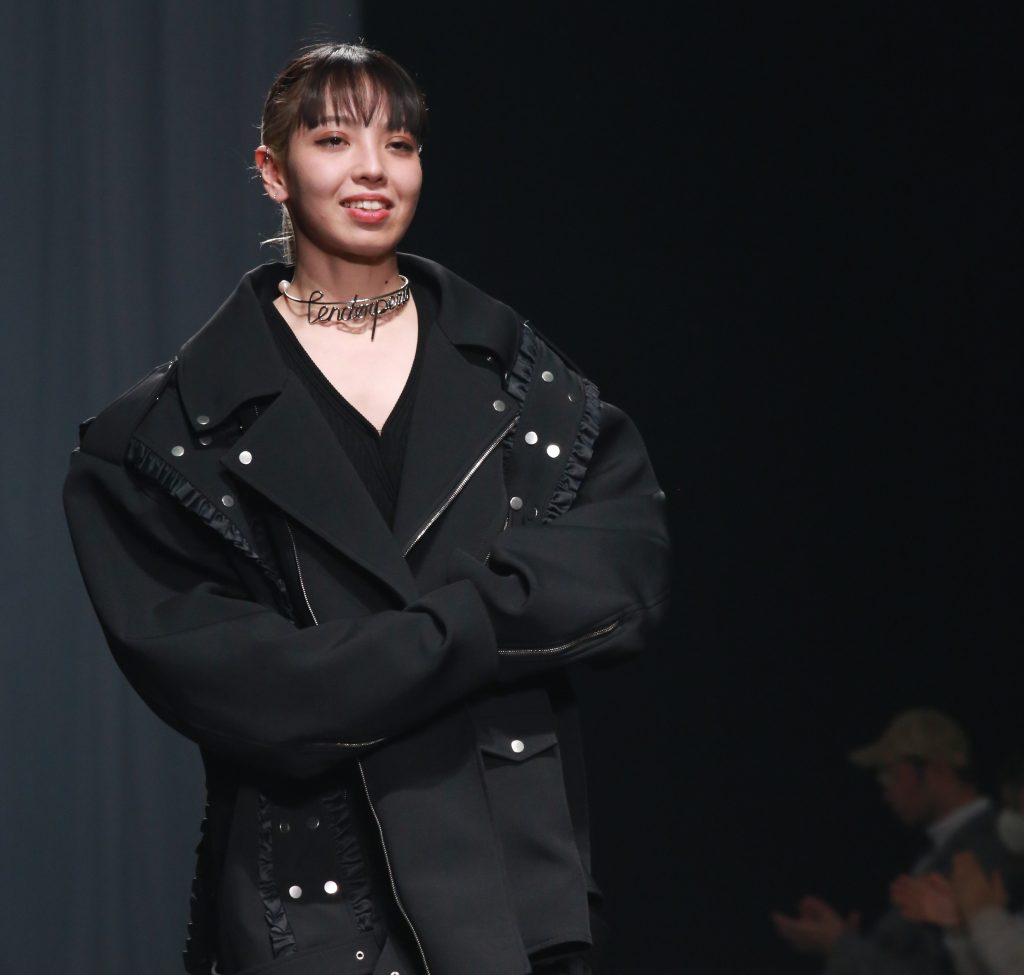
{"x":930,"y":899}
{"x":816,"y":928}
{"x":973,"y":888}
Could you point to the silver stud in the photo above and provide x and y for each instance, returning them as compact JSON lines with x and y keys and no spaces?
{"x":572,"y":397}
{"x":284,"y":826}
{"x":206,"y":440}
{"x":547,"y":376}
{"x":245,"y":457}
{"x":553,"y":450}
{"x":227,"y":501}
{"x":203,"y":420}
{"x":515,"y":503}
{"x":517,"y":746}
{"x":531,"y":437}
{"x":295,"y":892}
{"x":330,"y":887}
{"x":178,"y":450}
{"x":499,"y":405}
{"x":313,"y":822}
{"x":360,"y":955}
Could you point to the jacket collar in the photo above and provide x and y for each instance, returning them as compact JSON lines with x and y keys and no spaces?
{"x":461,"y":412}
{"x":232,"y":360}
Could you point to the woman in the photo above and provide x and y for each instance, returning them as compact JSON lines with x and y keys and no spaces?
{"x":349,"y":546}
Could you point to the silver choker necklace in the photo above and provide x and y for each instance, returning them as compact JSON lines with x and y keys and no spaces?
{"x":355,"y":315}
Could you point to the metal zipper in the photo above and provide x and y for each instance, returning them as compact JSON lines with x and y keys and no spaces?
{"x":593,"y":634}
{"x":362,"y":773}
{"x":316,"y":622}
{"x":458,"y":488}
{"x":391,"y":876}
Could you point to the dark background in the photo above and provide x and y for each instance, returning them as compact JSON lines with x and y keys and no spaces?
{"x":787,"y":244}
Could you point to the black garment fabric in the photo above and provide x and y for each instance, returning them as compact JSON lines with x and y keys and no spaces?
{"x":376,"y":456}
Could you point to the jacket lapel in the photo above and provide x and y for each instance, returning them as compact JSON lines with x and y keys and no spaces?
{"x":291,"y":456}
{"x":461,"y":411}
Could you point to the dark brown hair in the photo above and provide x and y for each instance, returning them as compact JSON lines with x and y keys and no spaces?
{"x":337,"y":79}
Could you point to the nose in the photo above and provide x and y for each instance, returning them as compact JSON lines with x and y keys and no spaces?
{"x":369,"y":167}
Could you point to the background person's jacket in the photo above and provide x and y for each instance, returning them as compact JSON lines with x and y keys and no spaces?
{"x":335,"y":672}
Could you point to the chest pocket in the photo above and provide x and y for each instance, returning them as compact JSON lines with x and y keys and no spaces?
{"x":520,"y":738}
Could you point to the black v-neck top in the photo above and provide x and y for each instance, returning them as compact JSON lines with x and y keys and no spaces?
{"x":376,"y":457}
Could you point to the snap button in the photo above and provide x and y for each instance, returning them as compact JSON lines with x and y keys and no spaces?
{"x":572,"y":397}
{"x":515,"y":503}
{"x":547,"y":376}
{"x":499,"y":405}
{"x":553,"y":450}
{"x":295,"y":892}
{"x":517,"y":746}
{"x":284,"y":826}
{"x":227,"y":501}
{"x":330,"y":887}
{"x":206,"y":440}
{"x":178,"y":450}
{"x":203,"y":420}
{"x":360,"y":955}
{"x":313,"y":822}
{"x":245,"y":457}
{"x":531,"y":437}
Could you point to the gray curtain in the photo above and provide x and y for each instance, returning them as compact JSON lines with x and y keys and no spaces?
{"x":128,"y":131}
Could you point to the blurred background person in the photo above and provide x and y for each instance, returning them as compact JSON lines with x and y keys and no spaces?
{"x":983,"y":933}
{"x":923,"y":764}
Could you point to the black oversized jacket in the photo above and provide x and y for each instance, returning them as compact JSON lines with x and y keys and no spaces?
{"x":255,"y":598}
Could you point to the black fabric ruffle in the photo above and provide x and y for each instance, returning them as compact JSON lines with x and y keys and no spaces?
{"x":141,"y":459}
{"x":350,"y":859}
{"x":282,"y":940}
{"x":582,"y":450}
{"x":521,"y":373}
{"x":200,"y":950}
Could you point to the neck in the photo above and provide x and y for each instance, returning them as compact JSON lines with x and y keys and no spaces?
{"x":341,"y":279}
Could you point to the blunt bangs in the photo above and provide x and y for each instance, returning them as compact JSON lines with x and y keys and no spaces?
{"x":363,"y":85}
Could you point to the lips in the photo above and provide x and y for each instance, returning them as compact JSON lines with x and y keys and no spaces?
{"x":368,"y":210}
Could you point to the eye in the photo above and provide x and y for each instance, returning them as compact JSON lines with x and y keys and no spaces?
{"x":404,"y":146}
{"x":332,"y":140}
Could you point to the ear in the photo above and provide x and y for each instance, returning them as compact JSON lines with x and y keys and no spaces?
{"x":271,"y":173}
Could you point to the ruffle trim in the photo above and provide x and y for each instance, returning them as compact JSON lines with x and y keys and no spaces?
{"x":521,"y":373}
{"x":582,"y":451}
{"x":142,"y":460}
{"x":350,"y":859}
{"x":282,"y":940}
{"x":199,"y":954}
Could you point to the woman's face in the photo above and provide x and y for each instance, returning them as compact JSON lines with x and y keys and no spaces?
{"x":351,"y":189}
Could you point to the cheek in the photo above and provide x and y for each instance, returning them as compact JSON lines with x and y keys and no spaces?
{"x":412,"y":184}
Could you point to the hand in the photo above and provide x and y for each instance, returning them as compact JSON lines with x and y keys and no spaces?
{"x":972,"y":888}
{"x":929,"y":899}
{"x":816,"y":928}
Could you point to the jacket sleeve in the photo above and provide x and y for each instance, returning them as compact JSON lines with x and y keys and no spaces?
{"x":237,"y":676}
{"x":591,"y":584}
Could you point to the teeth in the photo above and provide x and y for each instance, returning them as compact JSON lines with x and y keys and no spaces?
{"x":366,"y":205}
